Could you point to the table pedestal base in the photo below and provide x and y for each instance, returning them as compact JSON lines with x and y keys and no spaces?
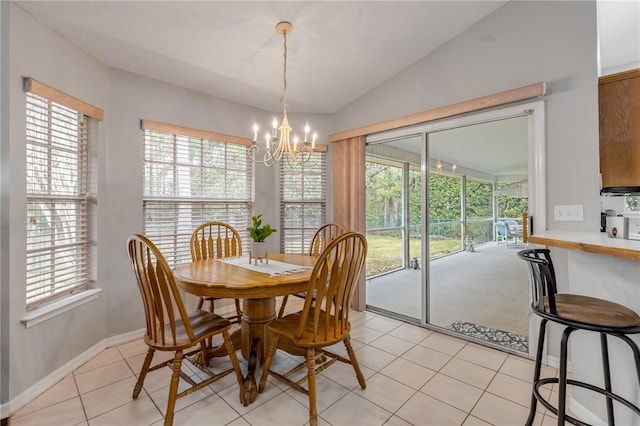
{"x":257,"y":314}
{"x":253,"y":339}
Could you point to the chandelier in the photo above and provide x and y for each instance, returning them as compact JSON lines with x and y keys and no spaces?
{"x":277,"y":141}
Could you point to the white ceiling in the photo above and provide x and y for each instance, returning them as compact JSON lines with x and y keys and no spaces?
{"x":337,"y":51}
{"x":619,"y":35}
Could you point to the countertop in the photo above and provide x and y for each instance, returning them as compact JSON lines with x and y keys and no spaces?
{"x":589,"y":242}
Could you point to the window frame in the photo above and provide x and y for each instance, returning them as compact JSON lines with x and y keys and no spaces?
{"x":63,"y":129}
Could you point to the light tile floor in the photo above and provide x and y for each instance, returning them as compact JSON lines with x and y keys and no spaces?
{"x":414,"y":377}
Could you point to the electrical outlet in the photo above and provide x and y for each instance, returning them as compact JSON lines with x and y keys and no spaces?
{"x":566,"y":213}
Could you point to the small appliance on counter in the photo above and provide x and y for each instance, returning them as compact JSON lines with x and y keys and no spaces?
{"x":617,"y":227}
{"x":633,"y":228}
{"x":603,"y":219}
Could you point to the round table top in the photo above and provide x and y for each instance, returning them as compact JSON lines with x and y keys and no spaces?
{"x":215,"y":278}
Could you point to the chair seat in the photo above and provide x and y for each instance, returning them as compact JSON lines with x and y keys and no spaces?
{"x":203,"y":324}
{"x":593,"y":311}
{"x":326,"y":334}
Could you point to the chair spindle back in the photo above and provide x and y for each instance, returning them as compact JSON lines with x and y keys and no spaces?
{"x":163,"y":305}
{"x":332,"y":285}
{"x":215,"y":240}
{"x":323,"y":236}
{"x":543,"y":279}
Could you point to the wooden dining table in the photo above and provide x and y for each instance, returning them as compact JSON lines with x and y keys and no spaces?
{"x":258,"y":290}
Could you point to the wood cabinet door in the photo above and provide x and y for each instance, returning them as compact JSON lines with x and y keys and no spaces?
{"x":619,"y":105}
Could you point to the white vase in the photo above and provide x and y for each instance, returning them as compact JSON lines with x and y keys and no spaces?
{"x":258,"y":251}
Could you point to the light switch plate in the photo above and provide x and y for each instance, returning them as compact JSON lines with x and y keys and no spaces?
{"x":568,"y":213}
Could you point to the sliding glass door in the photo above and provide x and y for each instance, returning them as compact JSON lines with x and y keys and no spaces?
{"x":434,"y":202}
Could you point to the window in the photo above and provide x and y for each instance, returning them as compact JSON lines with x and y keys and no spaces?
{"x":192,"y":177}
{"x":61,"y":193}
{"x":302,"y":202}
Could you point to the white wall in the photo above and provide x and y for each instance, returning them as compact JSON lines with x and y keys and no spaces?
{"x":4,"y":205}
{"x":42,"y":54}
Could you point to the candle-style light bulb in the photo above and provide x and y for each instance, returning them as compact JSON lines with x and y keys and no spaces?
{"x":306,"y":131}
{"x":255,"y":131}
{"x":295,"y":142}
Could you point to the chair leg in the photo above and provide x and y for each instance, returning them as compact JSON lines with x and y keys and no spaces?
{"x":200,"y":303}
{"x":267,"y":362}
{"x":311,"y":382}
{"x":562,"y":379}
{"x":607,"y":377}
{"x":354,"y":362}
{"x":238,"y":309}
{"x":284,"y":304}
{"x":536,"y":372}
{"x":173,"y":389}
{"x":204,"y":351}
{"x":233,"y":357}
{"x":143,"y":373}
{"x":636,"y":357}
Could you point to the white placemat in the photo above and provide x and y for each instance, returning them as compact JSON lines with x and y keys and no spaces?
{"x":273,"y":268}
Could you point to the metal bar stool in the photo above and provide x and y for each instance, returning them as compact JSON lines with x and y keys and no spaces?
{"x":575,"y":312}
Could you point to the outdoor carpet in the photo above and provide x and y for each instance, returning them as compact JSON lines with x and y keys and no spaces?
{"x":513,"y":341}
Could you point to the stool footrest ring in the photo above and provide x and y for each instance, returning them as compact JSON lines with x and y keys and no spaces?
{"x":571,"y":382}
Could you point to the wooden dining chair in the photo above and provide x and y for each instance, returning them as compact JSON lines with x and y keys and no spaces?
{"x":171,"y":328}
{"x":216,"y":240}
{"x":321,"y":239}
{"x":323,"y":321}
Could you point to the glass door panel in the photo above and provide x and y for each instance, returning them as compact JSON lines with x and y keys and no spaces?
{"x":385,"y":233}
{"x":477,"y":287}
{"x":393,"y":227}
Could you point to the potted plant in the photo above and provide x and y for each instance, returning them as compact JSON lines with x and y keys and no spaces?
{"x":259,"y":234}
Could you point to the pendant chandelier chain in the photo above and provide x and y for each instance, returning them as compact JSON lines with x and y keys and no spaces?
{"x":285,"y":106}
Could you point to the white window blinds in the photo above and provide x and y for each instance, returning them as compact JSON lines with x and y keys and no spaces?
{"x":60,"y":170}
{"x":302,"y":202}
{"x":190,"y":180}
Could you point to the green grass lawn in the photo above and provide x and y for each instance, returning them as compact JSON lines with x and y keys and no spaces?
{"x":385,"y":252}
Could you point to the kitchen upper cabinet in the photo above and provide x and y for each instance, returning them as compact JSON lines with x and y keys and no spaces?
{"x":619,"y":104}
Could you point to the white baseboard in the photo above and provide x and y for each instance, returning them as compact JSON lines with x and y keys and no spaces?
{"x":37,"y":389}
{"x":584,"y":414}
{"x":554,"y":361}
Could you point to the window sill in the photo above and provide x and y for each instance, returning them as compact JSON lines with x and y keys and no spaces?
{"x":56,"y":308}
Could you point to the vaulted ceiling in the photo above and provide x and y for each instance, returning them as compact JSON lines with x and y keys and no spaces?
{"x":337,"y":51}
